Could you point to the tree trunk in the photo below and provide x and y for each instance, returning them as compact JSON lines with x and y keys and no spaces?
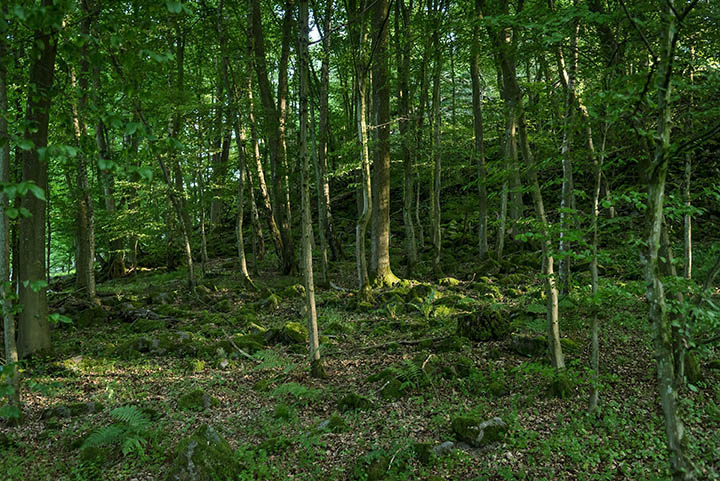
{"x":680,"y":464}
{"x":479,"y":145}
{"x":437,"y":147}
{"x":382,"y":275}
{"x":11,"y":352}
{"x":85,"y":234}
{"x":316,"y":369}
{"x":402,"y":16}
{"x":33,"y":327}
{"x":325,"y":212}
{"x":275,"y":122}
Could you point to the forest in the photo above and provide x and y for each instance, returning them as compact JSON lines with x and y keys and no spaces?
{"x":360,"y":240}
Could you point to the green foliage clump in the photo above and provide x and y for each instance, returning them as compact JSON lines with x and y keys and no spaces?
{"x":196,"y":400}
{"x":130,"y":433}
{"x":354,"y":402}
{"x":204,"y":456}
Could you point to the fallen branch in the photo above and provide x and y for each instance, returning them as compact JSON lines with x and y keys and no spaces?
{"x":232,"y":343}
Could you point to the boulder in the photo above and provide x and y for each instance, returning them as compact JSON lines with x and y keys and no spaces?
{"x":485,"y":324}
{"x":529,"y":346}
{"x":204,"y":456}
{"x":354,"y":402}
{"x":71,"y":410}
{"x":196,"y":400}
{"x":478,"y":433}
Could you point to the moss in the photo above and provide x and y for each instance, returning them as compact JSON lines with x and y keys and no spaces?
{"x":449,"y":282}
{"x":71,"y":410}
{"x":148,"y":325}
{"x":263,"y":385}
{"x":485,"y":324}
{"x":693,"y":374}
{"x":92,"y":316}
{"x":529,"y":346}
{"x":392,"y":389}
{"x":196,"y":365}
{"x":283,"y":412}
{"x":423,"y":292}
{"x":196,"y":400}
{"x":465,"y":428}
{"x":224,"y":305}
{"x":204,"y":456}
{"x":294,"y":291}
{"x":498,"y":388}
{"x":275,"y":445}
{"x":271,"y":302}
{"x":377,"y":468}
{"x":354,"y":402}
{"x":334,"y":424}
{"x":294,"y":333}
{"x":570,"y":346}
{"x":561,"y":386}
{"x":423,"y":452}
{"x":363,"y":306}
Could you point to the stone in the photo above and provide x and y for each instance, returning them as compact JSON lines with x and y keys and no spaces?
{"x":485,"y":324}
{"x":529,"y":346}
{"x":449,"y":282}
{"x":294,"y":333}
{"x":354,"y":402}
{"x":296,"y":290}
{"x":392,"y":389}
{"x":197,"y":400}
{"x":204,"y":456}
{"x":71,"y":410}
{"x":334,"y":424}
{"x":443,"y":449}
{"x":92,"y":316}
{"x":478,"y":433}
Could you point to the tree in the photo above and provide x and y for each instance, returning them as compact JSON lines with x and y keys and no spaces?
{"x":33,"y":326}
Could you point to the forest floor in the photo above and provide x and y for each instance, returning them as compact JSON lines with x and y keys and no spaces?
{"x":152,"y":343}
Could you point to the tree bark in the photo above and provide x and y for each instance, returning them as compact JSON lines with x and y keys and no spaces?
{"x":316,"y":369}
{"x":479,"y":144}
{"x":680,"y":464}
{"x":436,"y":143}
{"x":33,"y":327}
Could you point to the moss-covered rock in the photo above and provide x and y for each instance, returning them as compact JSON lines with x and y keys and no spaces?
{"x":485,"y":324}
{"x":478,"y":433}
{"x":334,"y":424}
{"x":92,"y":316}
{"x":693,"y":374}
{"x":71,"y":410}
{"x":196,"y":400}
{"x":204,"y":456}
{"x":424,"y":292}
{"x":294,"y":333}
{"x":294,"y":291}
{"x":449,"y":282}
{"x":392,"y":389}
{"x":148,"y":325}
{"x":529,"y":346}
{"x":354,"y":402}
{"x":561,"y":386}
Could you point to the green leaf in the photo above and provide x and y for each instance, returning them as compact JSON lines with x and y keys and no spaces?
{"x":37,"y":191}
{"x":25,"y":144}
{"x":173,"y":6}
{"x":11,"y":212}
{"x":131,"y":128}
{"x":24,"y":213}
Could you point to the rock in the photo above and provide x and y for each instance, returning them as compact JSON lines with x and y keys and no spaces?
{"x":478,"y":433}
{"x":693,"y":374}
{"x":485,"y":324}
{"x":423,"y":452}
{"x":204,"y":456}
{"x":392,"y":389}
{"x":354,"y":402}
{"x":334,"y":424}
{"x":529,"y":346}
{"x":92,"y":316}
{"x":294,"y":333}
{"x":197,"y":400}
{"x":443,"y":449}
{"x":270,"y":302}
{"x":296,"y":290}
{"x":449,"y":282}
{"x":71,"y":410}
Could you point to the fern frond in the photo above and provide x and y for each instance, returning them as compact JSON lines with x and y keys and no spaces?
{"x":104,"y":436}
{"x":132,"y":416}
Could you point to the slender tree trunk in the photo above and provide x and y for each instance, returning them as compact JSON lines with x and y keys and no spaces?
{"x":275,"y":122}
{"x":680,"y":464}
{"x":11,"y":352}
{"x":240,"y":139}
{"x":479,"y":145}
{"x":85,"y":234}
{"x":316,"y":369}
{"x":325,"y":212}
{"x":259,"y":241}
{"x":437,"y":145}
{"x":322,"y":217}
{"x":382,"y":275}
{"x":402,"y":16}
{"x":33,"y":327}
{"x":203,"y":220}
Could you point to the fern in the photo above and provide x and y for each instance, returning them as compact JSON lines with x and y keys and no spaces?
{"x":129,"y":431}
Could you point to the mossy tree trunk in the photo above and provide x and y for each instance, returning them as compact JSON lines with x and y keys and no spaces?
{"x":479,"y":144}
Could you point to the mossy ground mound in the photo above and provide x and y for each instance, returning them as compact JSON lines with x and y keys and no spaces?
{"x":485,"y":324}
{"x":204,"y":456}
